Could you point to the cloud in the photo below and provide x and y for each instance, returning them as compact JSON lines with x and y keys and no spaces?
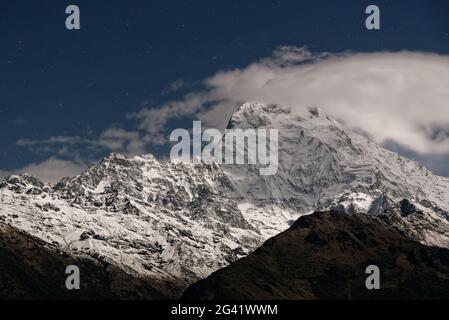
{"x":175,"y":86}
{"x":120,"y":140}
{"x":403,"y":96}
{"x":77,"y":152}
{"x":153,"y":120}
{"x":111,"y":140}
{"x":397,"y":99}
{"x":50,"y":170}
{"x":66,"y":140}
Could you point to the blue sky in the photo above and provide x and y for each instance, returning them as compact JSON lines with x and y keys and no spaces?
{"x":133,"y":55}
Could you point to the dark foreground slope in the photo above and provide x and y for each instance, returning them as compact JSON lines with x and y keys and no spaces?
{"x":31,"y":270}
{"x":324,"y":256}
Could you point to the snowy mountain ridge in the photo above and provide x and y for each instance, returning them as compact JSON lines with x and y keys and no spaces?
{"x":178,"y":222}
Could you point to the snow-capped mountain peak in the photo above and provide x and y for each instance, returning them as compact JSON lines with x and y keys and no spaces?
{"x":320,"y":161}
{"x":177,"y":222}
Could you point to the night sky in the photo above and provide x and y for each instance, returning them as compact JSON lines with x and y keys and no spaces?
{"x":128,"y":54}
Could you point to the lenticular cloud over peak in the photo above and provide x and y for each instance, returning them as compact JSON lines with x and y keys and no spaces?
{"x":401,"y":97}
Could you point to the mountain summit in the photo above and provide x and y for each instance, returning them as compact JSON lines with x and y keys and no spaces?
{"x":324,"y":165}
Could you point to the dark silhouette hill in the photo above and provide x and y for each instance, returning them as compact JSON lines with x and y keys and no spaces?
{"x":324,"y":256}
